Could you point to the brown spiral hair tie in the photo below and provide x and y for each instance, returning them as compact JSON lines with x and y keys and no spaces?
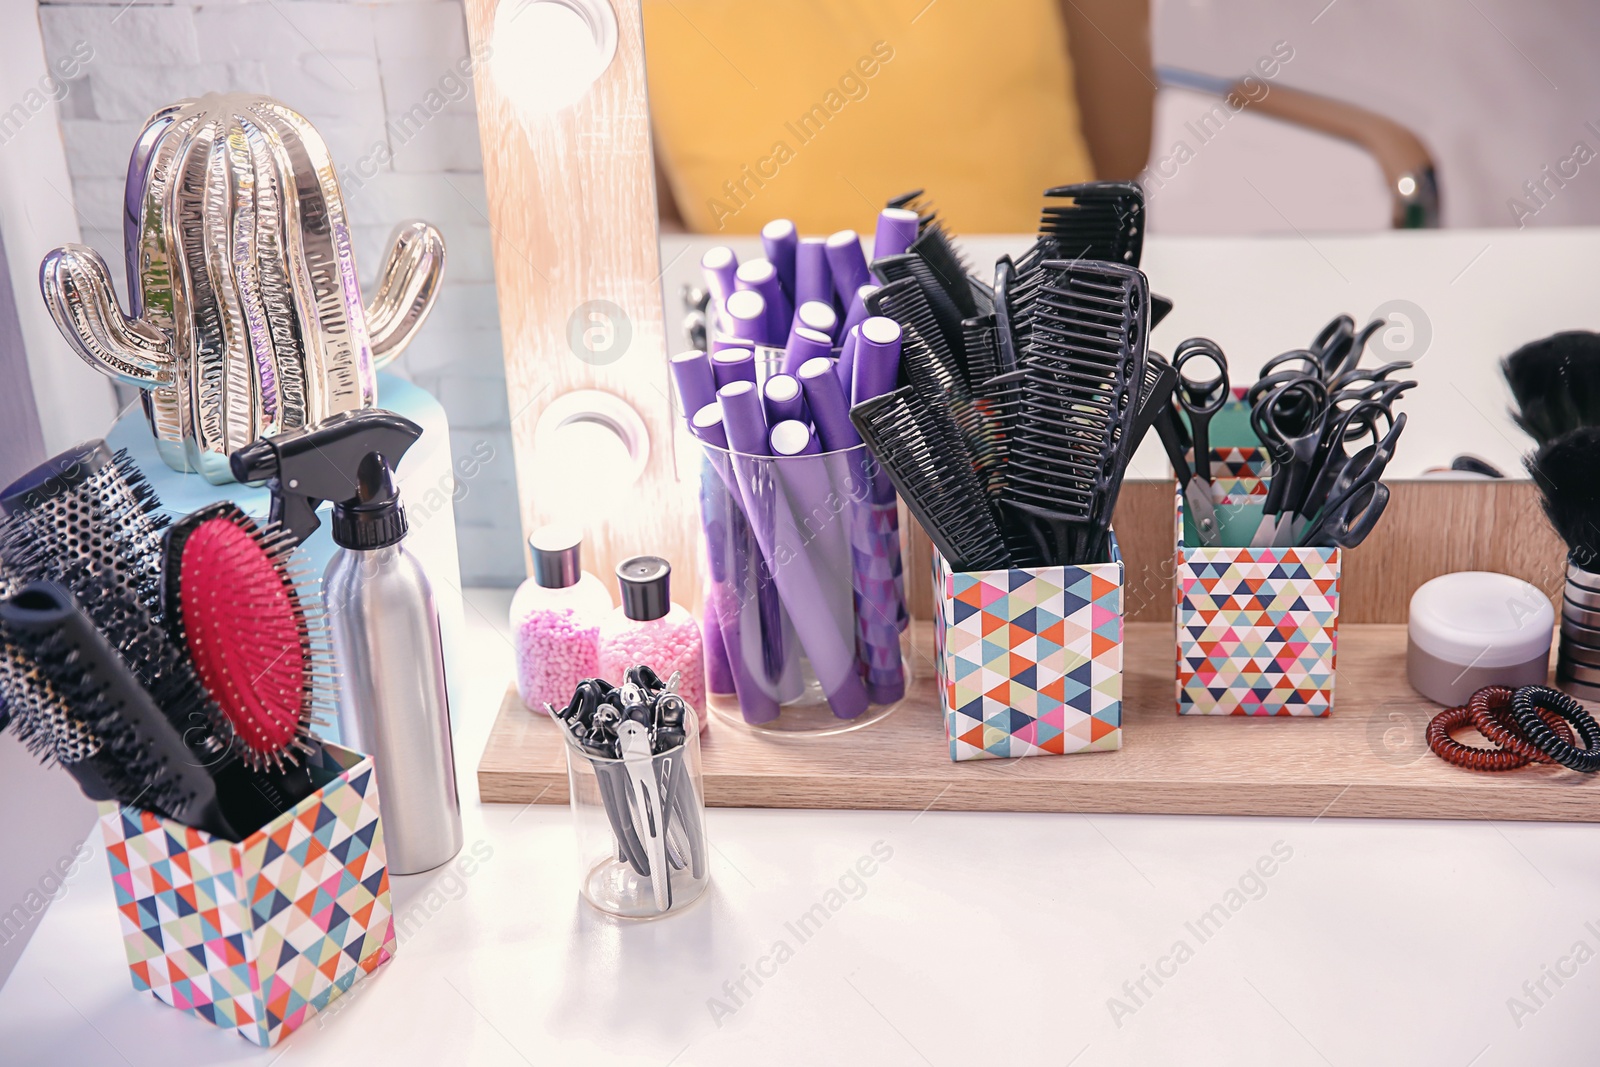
{"x":1490,"y":709}
{"x":1452,"y":751}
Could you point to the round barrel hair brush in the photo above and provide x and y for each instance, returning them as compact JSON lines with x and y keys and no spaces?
{"x":143,"y":759}
{"x":236,"y":599}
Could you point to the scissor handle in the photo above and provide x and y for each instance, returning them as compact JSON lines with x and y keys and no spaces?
{"x":1293,"y":447}
{"x":1356,"y":375}
{"x":1201,"y":396}
{"x":1351,"y":518}
{"x":1311,"y":364}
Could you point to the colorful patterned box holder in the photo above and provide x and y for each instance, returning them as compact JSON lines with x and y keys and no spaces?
{"x":1030,"y":661}
{"x":259,"y":935}
{"x":1257,"y":628}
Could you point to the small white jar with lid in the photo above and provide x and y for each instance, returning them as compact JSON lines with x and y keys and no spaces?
{"x":1476,"y":628}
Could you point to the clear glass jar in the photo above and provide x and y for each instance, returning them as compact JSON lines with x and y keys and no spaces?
{"x":555,"y":620}
{"x":648,"y":628}
{"x":620,"y":851}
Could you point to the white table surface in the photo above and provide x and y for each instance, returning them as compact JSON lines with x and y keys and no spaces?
{"x":983,"y":938}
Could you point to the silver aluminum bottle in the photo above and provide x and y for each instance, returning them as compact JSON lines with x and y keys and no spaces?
{"x":392,"y":700}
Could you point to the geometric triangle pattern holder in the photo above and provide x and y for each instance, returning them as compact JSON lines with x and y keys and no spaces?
{"x":1030,"y":660}
{"x":257,"y":936}
{"x":1257,"y":629}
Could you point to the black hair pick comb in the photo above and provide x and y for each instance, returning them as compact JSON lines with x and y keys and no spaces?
{"x":920,"y":448}
{"x":144,"y":759}
{"x":1095,"y":220}
{"x":1083,"y":383}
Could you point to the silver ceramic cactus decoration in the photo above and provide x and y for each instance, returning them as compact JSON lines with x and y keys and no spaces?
{"x":245,"y":315}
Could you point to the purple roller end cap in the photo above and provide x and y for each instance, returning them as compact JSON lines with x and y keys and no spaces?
{"x":897,"y":228}
{"x":794,"y":438}
{"x":816,"y":315}
{"x":848,"y":264}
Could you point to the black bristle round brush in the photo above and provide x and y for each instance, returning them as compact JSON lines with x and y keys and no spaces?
{"x":1556,"y":384}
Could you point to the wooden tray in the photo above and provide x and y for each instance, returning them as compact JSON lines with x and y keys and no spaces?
{"x":1369,"y":759}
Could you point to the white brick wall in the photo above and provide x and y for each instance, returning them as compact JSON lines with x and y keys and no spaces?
{"x":355,"y":70}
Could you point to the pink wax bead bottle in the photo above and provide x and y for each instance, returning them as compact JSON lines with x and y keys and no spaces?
{"x":555,"y":620}
{"x":649,"y":628}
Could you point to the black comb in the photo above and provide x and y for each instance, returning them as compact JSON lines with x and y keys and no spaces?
{"x":912,"y":268}
{"x":937,"y":373}
{"x":948,"y":265}
{"x":920,"y":448}
{"x":1096,"y":220}
{"x":1083,"y":379}
{"x":980,"y":342}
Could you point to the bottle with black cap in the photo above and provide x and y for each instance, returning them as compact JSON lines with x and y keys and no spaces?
{"x":650,"y":629}
{"x":555,"y":619}
{"x":392,"y":700}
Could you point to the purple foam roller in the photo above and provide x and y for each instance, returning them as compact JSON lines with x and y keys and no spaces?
{"x":815,"y":315}
{"x":733,"y":365}
{"x":747,"y":317}
{"x":691,"y":373}
{"x":897,"y":228}
{"x":719,"y":265}
{"x":877,"y":363}
{"x":848,"y":264}
{"x":829,"y":408}
{"x":858,"y":308}
{"x":845,"y":368}
{"x":805,"y":345}
{"x":813,"y":279}
{"x":760,"y":276}
{"x":780,"y":240}
{"x":783,"y":400}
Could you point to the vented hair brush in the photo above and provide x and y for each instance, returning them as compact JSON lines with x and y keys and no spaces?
{"x":234,"y":600}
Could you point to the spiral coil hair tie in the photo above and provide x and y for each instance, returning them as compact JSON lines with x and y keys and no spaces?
{"x":1525,"y":708}
{"x":1452,"y":751}
{"x":1490,"y":708}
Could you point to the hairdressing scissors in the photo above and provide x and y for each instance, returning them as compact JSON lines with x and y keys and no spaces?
{"x":1333,"y":506}
{"x":1201,"y":397}
{"x":1289,"y":419}
{"x":1196,"y":494}
{"x":1338,"y":347}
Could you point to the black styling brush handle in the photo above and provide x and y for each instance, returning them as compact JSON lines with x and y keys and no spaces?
{"x":151,"y":765}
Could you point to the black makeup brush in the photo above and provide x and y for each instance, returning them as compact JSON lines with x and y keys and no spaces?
{"x":1567,"y":472}
{"x":1556,"y":384}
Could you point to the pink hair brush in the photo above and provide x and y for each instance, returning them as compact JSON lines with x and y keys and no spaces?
{"x":237,"y":601}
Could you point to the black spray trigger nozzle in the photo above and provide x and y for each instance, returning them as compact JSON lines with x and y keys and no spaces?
{"x":303,"y":468}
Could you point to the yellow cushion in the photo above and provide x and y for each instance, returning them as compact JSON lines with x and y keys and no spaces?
{"x":820,"y":110}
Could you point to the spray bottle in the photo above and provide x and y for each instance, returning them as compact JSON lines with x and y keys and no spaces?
{"x":383,"y":618}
